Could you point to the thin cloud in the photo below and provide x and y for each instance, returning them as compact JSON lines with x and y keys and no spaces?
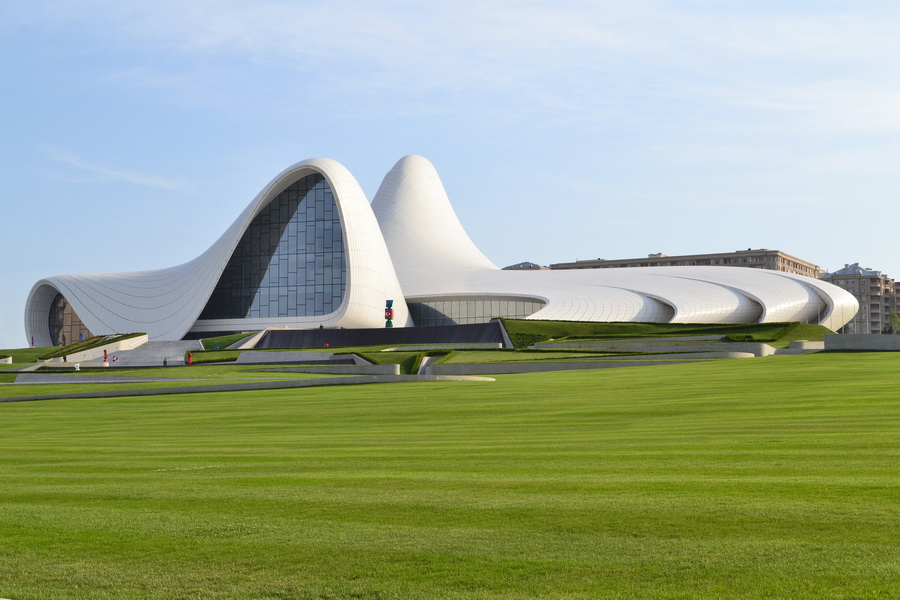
{"x":105,"y":173}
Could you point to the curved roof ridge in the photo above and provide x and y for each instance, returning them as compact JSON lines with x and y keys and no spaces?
{"x":418,"y":223}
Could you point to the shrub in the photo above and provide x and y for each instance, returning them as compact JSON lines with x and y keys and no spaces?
{"x":739,"y":337}
{"x":212,"y":356}
{"x":524,"y":340}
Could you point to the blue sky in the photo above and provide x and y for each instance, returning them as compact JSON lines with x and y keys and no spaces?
{"x":133,"y":133}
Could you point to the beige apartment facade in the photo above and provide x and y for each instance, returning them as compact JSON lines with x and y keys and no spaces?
{"x":876,"y":293}
{"x":772,"y":260}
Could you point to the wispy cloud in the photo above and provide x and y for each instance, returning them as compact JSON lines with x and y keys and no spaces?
{"x":106,"y":173}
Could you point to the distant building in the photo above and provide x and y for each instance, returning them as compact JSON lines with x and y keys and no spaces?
{"x":525,"y":266}
{"x":876,"y":293}
{"x":771,"y":260}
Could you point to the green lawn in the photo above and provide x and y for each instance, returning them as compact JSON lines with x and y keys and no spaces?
{"x":523,"y":332}
{"x":767,"y":478}
{"x":503,"y":356}
{"x":223,"y":341}
{"x":26,"y":355}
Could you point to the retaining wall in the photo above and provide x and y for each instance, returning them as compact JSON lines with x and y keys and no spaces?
{"x":755,"y":348}
{"x":339,"y":370}
{"x":540,"y":367}
{"x":874,"y":342}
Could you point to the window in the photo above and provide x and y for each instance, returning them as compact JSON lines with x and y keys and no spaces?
{"x":463,"y":311}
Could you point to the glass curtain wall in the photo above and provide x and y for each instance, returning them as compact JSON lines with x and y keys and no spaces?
{"x":463,"y":311}
{"x":65,"y":326}
{"x":290,"y":261}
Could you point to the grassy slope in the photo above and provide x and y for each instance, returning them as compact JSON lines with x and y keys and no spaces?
{"x":774,"y":477}
{"x":179,"y":376}
{"x":223,"y":341}
{"x":26,"y":355}
{"x":524,"y":332}
{"x":505,"y":356}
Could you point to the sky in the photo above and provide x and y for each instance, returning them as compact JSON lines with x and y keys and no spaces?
{"x":134,"y":132}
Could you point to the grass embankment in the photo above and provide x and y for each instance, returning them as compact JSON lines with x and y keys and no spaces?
{"x":409,"y":361}
{"x":21,"y":357}
{"x":175,"y":376}
{"x":212,"y":356}
{"x":223,"y":341}
{"x":505,"y":356}
{"x":96,"y":341}
{"x":215,"y":349}
{"x":371,"y":353}
{"x":524,"y":333}
{"x":775,"y":477}
{"x":26,"y":355}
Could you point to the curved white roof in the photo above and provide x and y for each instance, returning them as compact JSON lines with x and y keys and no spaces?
{"x":166,"y":303}
{"x":434,"y":257}
{"x":418,"y":223}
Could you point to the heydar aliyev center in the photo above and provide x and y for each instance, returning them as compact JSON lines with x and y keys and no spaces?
{"x":310,"y":250}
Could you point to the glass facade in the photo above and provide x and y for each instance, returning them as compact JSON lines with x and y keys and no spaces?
{"x":65,"y":326}
{"x":290,"y":261}
{"x":463,"y":311}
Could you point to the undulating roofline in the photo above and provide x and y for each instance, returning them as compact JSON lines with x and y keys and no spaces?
{"x":310,"y":251}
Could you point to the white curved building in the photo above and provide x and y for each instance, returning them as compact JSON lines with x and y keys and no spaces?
{"x":445,"y":277}
{"x":310,"y":251}
{"x":306,"y":252}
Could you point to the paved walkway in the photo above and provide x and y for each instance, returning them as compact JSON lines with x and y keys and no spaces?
{"x":242,"y":387}
{"x":47,"y":378}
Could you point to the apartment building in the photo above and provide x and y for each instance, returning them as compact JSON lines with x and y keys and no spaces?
{"x":772,"y":260}
{"x":877,"y":295}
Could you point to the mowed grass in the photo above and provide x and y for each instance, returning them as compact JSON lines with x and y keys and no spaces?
{"x":764,"y":478}
{"x":503,"y":356}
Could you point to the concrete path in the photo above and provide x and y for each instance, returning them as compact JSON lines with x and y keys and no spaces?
{"x":250,"y":386}
{"x":755,"y":348}
{"x":45,"y":378}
